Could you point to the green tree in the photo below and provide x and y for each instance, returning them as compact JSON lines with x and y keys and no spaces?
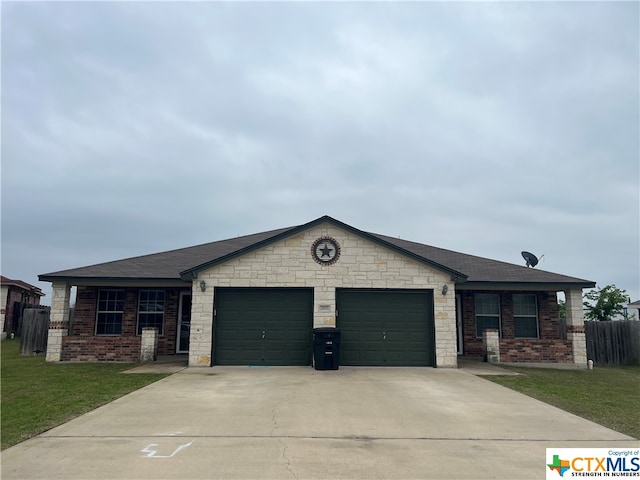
{"x":605,"y":303}
{"x":562,"y":309}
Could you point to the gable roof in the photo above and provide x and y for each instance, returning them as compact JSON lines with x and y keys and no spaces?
{"x":182,"y":265}
{"x":23,"y":285}
{"x":192,"y":272}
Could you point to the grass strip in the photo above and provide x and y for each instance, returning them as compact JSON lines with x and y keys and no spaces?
{"x":609,"y":396}
{"x":36,"y":396}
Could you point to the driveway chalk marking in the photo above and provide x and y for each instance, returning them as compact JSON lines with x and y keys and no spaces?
{"x":152,"y":453}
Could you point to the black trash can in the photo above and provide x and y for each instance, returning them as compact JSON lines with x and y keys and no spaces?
{"x":326,"y":348}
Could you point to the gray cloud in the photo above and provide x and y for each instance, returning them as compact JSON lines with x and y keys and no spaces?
{"x":487,"y":128}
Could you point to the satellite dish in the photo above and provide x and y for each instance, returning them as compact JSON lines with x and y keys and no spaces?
{"x":530,"y":258}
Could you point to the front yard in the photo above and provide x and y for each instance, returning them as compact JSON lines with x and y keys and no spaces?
{"x":37,"y":396}
{"x":609,"y":396}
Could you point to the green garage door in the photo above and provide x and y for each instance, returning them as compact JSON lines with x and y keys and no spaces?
{"x":263,"y":326}
{"x":386,"y":327}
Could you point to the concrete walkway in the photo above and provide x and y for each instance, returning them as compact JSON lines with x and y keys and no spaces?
{"x":295,"y":422}
{"x":169,"y":365}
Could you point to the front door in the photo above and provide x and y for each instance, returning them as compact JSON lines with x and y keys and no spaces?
{"x":184,"y":323}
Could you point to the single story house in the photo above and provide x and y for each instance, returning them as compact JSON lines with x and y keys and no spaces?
{"x":255,"y":299}
{"x":633,"y":306}
{"x":15,"y":295}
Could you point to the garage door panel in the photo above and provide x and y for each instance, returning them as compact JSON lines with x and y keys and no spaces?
{"x":386,"y":327}
{"x":263,"y":326}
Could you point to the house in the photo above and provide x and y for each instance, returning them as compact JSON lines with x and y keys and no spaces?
{"x":629,"y":309}
{"x":14,"y":296}
{"x":255,"y":300}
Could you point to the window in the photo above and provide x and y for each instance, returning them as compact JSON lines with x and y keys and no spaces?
{"x":487,"y":312}
{"x":110,"y":309}
{"x":525,"y":316}
{"x":151,"y":310}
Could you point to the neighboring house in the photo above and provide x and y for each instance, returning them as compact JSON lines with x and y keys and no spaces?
{"x":255,"y":300}
{"x":14,"y":296}
{"x":631,"y":307}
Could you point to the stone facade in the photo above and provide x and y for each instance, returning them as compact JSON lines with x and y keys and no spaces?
{"x":491,"y":345}
{"x":58,"y":321}
{"x":149,"y":344}
{"x":575,"y":326}
{"x":288,"y":263}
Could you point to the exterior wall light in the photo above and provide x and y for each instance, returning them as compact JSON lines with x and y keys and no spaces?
{"x":203,"y":285}
{"x":445,"y":289}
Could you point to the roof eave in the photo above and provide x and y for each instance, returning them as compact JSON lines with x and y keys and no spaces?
{"x":510,"y":285}
{"x":109,"y":281}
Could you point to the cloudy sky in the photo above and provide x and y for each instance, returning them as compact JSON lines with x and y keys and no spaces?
{"x":487,"y":128}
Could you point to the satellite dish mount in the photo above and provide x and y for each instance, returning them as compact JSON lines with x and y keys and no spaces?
{"x":530,"y":259}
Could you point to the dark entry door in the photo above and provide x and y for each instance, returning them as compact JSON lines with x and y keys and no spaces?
{"x":184,"y":323}
{"x":386,"y":327}
{"x":263,"y":326}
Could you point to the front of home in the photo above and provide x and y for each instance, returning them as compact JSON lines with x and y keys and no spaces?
{"x":255,"y":300}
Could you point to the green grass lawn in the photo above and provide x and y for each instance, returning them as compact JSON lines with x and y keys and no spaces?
{"x":37,"y":396}
{"x":609,"y":396}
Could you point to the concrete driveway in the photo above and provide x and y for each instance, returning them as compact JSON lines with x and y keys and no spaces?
{"x":239,"y":422}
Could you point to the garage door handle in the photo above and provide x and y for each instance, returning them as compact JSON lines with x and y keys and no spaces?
{"x":384,"y":335}
{"x":264,"y":334}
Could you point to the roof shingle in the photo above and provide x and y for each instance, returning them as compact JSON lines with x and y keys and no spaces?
{"x":169,"y":265}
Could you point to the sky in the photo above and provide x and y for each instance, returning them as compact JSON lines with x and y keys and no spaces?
{"x":486,"y":128}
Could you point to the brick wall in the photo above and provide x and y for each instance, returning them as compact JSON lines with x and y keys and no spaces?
{"x":549,"y":347}
{"x":101,"y":349}
{"x":535,"y":351}
{"x":83,"y":345}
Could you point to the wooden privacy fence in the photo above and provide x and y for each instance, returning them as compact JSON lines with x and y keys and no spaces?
{"x":35,"y":329}
{"x":613,"y":342}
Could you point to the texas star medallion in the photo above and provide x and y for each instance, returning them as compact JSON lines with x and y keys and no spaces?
{"x":325,"y":251}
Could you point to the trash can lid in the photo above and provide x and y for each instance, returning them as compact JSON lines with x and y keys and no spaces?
{"x":325,"y":330}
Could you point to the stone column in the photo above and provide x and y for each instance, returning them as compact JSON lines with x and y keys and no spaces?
{"x":58,"y":321}
{"x":575,"y":325}
{"x":4,"y":291}
{"x":491,"y":345}
{"x":149,"y":344}
{"x":202,"y":319}
{"x":444,"y":306}
{"x":324,"y":308}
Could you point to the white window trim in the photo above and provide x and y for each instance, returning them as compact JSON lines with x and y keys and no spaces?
{"x":98,"y":312}
{"x":536,"y":316}
{"x":164,"y":309}
{"x":499,"y":314}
